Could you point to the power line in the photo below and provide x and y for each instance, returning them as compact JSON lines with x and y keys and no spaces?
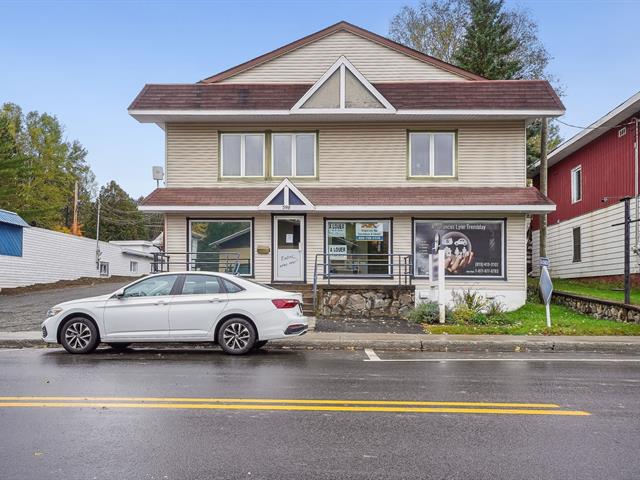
{"x":594,"y":128}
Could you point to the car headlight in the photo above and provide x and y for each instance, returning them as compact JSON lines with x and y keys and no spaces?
{"x":53,"y":311}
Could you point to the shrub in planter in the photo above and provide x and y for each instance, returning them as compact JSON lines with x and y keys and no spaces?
{"x":462,"y":314}
{"x":474,"y":301}
{"x":426,"y":312}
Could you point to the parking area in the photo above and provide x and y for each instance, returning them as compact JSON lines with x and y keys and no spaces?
{"x":25,"y":311}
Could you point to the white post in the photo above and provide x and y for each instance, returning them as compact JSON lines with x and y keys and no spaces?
{"x":548,"y":315}
{"x":441,"y":292}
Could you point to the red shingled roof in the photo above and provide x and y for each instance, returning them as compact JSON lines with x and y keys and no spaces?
{"x":364,"y":196}
{"x":485,"y":94}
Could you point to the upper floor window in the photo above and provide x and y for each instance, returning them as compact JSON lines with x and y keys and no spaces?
{"x":293,"y":154}
{"x":242,"y":154}
{"x":432,"y":154}
{"x":576,"y":184}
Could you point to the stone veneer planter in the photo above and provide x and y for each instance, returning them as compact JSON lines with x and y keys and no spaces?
{"x":605,"y":309}
{"x":365,"y":301}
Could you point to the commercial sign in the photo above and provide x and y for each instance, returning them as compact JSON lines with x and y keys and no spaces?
{"x":472,"y":248}
{"x":337,"y":229}
{"x":369,"y":231}
{"x":337,"y":252}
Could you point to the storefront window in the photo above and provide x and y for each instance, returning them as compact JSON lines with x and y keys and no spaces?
{"x":358,"y":247}
{"x":473,"y":248}
{"x":221,"y":246}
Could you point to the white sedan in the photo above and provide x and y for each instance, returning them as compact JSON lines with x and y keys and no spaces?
{"x":238,"y":314}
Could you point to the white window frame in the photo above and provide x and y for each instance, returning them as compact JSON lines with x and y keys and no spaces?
{"x":432,"y":156}
{"x":133,"y":266}
{"x":574,"y":198}
{"x":103,"y":269}
{"x":242,"y":154}
{"x":250,"y":220}
{"x":293,"y":136}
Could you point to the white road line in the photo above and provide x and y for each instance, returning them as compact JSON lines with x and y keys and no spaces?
{"x":373,"y":357}
{"x":371,"y":354}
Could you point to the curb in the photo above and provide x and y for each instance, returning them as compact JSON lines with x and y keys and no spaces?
{"x":401,"y":342}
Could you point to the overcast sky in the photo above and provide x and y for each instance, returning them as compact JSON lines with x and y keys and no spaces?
{"x":86,"y":61}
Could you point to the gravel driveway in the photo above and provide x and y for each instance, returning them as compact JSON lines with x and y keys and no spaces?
{"x":26,"y":311}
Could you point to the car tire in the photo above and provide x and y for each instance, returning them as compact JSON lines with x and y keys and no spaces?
{"x":260,"y":344}
{"x":79,"y":335}
{"x":119,"y":347}
{"x":237,"y":336}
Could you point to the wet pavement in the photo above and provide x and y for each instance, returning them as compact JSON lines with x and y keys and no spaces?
{"x":26,"y":311}
{"x":195,"y":413}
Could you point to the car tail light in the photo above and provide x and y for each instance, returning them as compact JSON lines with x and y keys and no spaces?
{"x":285,"y":303}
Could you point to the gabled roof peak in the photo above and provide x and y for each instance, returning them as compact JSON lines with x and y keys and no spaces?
{"x":286,"y":196}
{"x":337,"y":27}
{"x":350,"y":93}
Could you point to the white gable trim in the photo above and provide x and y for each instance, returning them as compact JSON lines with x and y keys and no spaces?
{"x":342,"y":63}
{"x":288,"y":188}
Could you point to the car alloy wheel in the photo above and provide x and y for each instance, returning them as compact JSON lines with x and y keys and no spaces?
{"x":79,"y":335}
{"x":237,"y":336}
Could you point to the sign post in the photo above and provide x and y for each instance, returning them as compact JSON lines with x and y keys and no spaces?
{"x":441,"y":293}
{"x":546,"y":287}
{"x":436,"y":275}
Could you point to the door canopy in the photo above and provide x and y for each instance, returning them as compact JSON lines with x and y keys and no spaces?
{"x":286,"y":196}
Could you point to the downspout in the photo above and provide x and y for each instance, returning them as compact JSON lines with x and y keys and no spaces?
{"x":636,"y":180}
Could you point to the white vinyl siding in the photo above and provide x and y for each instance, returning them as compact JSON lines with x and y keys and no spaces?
{"x":601,"y":245}
{"x":67,"y":257}
{"x":293,"y":154}
{"x":490,"y":153}
{"x":375,"y":61}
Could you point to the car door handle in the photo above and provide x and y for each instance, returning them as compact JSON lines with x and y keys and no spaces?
{"x":161,"y":302}
{"x":215,"y":300}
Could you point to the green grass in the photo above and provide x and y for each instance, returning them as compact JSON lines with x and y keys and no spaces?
{"x":531,"y":320}
{"x":593,"y":288}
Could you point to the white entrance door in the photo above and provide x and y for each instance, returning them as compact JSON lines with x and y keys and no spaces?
{"x":288,"y":255}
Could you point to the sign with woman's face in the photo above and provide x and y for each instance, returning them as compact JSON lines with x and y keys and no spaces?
{"x":473,"y":248}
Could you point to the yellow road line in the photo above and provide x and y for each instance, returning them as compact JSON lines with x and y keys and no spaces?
{"x":281,"y":401}
{"x":296,"y":408}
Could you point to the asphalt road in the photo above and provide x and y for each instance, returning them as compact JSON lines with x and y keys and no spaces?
{"x":198,"y":414}
{"x":26,"y":311}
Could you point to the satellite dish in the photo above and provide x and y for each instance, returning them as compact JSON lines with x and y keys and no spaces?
{"x":158,"y":173}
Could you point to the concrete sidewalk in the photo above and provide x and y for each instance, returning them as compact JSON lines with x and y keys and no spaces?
{"x":418,"y":342}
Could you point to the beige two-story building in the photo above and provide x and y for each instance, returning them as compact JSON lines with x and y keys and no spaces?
{"x":347,"y":157}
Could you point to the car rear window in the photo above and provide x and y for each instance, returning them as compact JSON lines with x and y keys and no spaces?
{"x":231,"y":287}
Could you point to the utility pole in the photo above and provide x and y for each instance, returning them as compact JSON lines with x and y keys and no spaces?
{"x":98,"y":253}
{"x":74,"y":226}
{"x":543,"y":184}
{"x":627,"y":249}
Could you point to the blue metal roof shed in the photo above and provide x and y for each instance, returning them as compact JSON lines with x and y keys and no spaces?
{"x":11,"y":227}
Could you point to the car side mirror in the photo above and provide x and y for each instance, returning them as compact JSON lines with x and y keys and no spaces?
{"x":119,"y":294}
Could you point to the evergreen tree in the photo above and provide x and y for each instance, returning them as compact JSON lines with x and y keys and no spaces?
{"x":120,"y":218}
{"x":488,"y":45}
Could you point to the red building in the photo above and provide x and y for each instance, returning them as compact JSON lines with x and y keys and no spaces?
{"x":587,"y":176}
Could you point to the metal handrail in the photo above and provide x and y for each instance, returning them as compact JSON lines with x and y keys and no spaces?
{"x":399,"y":265}
{"x":162,"y":261}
